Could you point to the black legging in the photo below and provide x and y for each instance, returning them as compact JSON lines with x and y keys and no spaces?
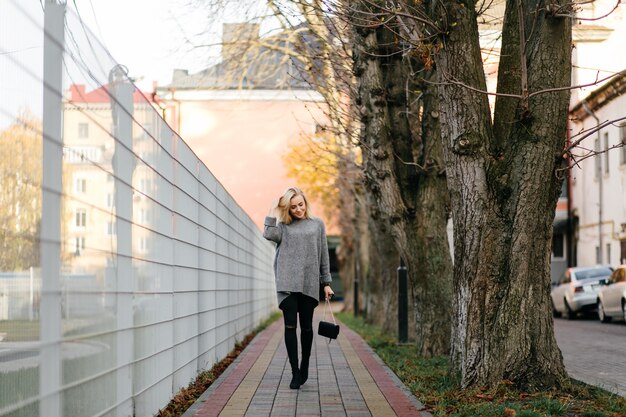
{"x":292,"y":306}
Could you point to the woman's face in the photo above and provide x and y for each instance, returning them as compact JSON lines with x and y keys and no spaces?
{"x":297,"y":207}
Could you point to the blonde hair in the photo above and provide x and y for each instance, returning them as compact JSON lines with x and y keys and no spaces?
{"x":285,"y":201}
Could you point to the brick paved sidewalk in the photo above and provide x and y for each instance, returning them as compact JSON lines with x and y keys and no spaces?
{"x":346,"y":378}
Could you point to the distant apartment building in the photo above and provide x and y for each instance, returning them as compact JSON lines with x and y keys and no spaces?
{"x":599,"y":182}
{"x":89,"y":202}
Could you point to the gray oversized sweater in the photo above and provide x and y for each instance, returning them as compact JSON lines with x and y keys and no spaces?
{"x":301,"y":261}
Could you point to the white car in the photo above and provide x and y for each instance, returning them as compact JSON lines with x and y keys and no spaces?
{"x":577,"y":290}
{"x":612,"y":298}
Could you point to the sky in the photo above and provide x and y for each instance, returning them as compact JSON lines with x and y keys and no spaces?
{"x":154,"y":37}
{"x":149,"y":37}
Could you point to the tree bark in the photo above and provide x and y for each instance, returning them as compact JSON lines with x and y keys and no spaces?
{"x":504,"y":187}
{"x":382,"y":305}
{"x":348,"y":225}
{"x":404,"y":175}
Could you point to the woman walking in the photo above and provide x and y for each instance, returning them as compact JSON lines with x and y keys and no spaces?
{"x":300,"y":266}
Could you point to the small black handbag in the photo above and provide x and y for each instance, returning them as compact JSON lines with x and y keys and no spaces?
{"x":326,"y":328}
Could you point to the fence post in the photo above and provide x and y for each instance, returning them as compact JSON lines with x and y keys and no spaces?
{"x":121,"y":96}
{"x":356,"y":287}
{"x":403,"y":304}
{"x":52,"y":190}
{"x":31,"y":293}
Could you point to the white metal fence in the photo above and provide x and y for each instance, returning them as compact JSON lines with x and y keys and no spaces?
{"x":125,"y":267}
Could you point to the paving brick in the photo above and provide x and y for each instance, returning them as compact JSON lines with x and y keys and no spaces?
{"x":346,"y":378}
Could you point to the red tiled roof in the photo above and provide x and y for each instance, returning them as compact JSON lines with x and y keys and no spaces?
{"x":78,"y":94}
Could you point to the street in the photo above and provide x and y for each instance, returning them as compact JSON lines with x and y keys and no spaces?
{"x":594,"y":352}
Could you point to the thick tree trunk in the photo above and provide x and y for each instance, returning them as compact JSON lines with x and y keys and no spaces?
{"x":403,"y":176}
{"x":504,"y":191}
{"x":361,"y":244}
{"x":382,"y":304}
{"x":348,"y":225}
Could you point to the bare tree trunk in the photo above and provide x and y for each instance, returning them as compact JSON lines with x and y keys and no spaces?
{"x":361,"y":264}
{"x":504,"y":191}
{"x":382,"y":305}
{"x":404,"y":176}
{"x":346,"y":252}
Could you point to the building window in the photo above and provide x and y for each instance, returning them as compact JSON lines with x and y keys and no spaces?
{"x":79,"y":245}
{"x":564,"y":188}
{"x":145,"y":185}
{"x":143,"y":244}
{"x":111,"y":228}
{"x":83,"y":130}
{"x":81,"y":218}
{"x":80,"y":185}
{"x":623,"y":139}
{"x":608,"y":253}
{"x":109,"y":200}
{"x":558,"y":245}
{"x":606,"y":153}
{"x":598,"y":254}
{"x":622,"y":246}
{"x":144,"y":215}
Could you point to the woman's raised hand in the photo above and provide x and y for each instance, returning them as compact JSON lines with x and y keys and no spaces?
{"x":274,"y":209}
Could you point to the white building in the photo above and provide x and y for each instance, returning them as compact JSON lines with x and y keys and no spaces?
{"x":89,"y":204}
{"x":598,"y":183}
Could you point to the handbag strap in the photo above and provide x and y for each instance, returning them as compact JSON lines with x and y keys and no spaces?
{"x":327,"y":305}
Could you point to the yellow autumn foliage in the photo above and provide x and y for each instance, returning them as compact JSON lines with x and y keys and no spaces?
{"x":312,"y":163}
{"x":20,"y":199}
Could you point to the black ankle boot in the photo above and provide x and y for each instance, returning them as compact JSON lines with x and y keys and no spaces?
{"x":304,"y":372}
{"x":295,"y":380}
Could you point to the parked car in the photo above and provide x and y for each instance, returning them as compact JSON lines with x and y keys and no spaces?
{"x":612,"y":298}
{"x":577,"y":289}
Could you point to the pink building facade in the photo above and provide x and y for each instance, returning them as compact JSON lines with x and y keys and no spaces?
{"x":243,"y":136}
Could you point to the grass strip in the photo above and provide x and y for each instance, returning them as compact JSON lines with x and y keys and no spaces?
{"x":429,"y":381}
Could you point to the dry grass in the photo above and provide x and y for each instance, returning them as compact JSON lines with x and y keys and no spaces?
{"x":187,"y":396}
{"x":428,"y":380}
